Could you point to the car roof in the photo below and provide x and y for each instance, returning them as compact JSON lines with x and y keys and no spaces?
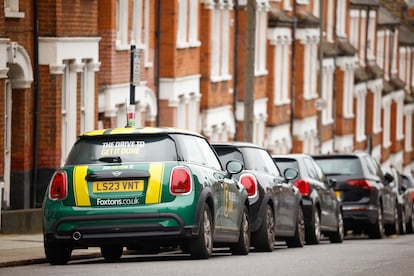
{"x":137,"y":130}
{"x":339,"y":155}
{"x":238,"y":144}
{"x":290,"y":155}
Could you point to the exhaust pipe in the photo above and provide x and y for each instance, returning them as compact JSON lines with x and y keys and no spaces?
{"x":76,"y":236}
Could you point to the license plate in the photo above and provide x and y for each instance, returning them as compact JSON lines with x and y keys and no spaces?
{"x":118,"y":186}
{"x":338,"y":195}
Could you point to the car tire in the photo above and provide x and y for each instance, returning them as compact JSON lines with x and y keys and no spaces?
{"x":264,"y":238}
{"x":393,"y":228}
{"x":298,"y":240}
{"x":410,"y":223}
{"x":202,"y":246}
{"x":338,"y":236}
{"x":57,"y":254}
{"x":111,"y":253}
{"x":402,"y":224}
{"x":376,"y":230}
{"x":313,"y":232}
{"x":243,"y":245}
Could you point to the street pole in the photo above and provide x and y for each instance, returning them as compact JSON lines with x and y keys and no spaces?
{"x":134,"y":80}
{"x":249,"y":72}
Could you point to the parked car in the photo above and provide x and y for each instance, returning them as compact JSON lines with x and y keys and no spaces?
{"x":368,"y":201}
{"x":132,"y":187}
{"x":404,"y":202}
{"x":409,"y":185}
{"x":321,"y":208}
{"x":275,"y":204}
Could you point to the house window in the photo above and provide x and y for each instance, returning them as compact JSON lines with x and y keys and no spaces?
{"x":348,"y":94}
{"x":311,"y":69}
{"x":327,"y":95}
{"x":362,"y":38}
{"x":187,"y":108}
{"x":386,"y":105}
{"x":371,"y":35}
{"x":386,"y":56}
{"x":408,"y":132}
{"x":361,"y":92}
{"x":316,"y":8}
{"x":11,"y":9}
{"x":281,"y":64}
{"x":330,"y":21}
{"x":341,"y":18}
{"x":220,"y":35}
{"x":394,"y":37}
{"x":187,"y":31}
{"x":140,"y":35}
{"x":380,"y":48}
{"x":399,"y":99}
{"x":122,"y":25}
{"x":354,"y":28}
{"x":260,"y":53}
{"x":377,"y":110}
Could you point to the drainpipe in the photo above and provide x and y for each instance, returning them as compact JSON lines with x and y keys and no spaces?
{"x":35,"y":102}
{"x":157,"y":62}
{"x":235,"y":67}
{"x":293,"y":76}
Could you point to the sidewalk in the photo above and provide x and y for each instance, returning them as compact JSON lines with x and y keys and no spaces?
{"x":25,"y":249}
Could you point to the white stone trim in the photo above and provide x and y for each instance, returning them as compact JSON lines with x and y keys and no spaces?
{"x":220,"y":119}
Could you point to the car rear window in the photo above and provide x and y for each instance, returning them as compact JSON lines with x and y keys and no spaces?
{"x":114,"y":149}
{"x":343,"y":165}
{"x":284,"y":163}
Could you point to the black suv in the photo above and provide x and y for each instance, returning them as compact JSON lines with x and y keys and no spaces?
{"x":369,"y":203}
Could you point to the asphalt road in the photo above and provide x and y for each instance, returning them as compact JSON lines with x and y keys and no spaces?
{"x":356,"y":256}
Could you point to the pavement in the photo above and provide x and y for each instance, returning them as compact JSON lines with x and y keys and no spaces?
{"x":24,"y":249}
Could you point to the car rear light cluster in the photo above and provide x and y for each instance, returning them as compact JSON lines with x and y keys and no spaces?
{"x":249,"y":182}
{"x":58,"y":189}
{"x":303,"y":186}
{"x":361,"y":183}
{"x":180,"y":182}
{"x":412,"y":196}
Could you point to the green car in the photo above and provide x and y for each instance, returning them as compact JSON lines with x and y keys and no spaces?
{"x":144,"y":188}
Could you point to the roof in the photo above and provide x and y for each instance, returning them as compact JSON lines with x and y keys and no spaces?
{"x":239,"y":144}
{"x":135,"y":130}
{"x":386,"y":18}
{"x":406,"y":37}
{"x":364,"y":3}
{"x":279,"y":18}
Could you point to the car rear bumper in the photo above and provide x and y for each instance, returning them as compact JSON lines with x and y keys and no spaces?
{"x":120,"y":229}
{"x":359,"y":214}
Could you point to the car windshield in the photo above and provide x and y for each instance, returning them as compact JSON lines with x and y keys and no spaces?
{"x":117,"y":149}
{"x":347,"y":166}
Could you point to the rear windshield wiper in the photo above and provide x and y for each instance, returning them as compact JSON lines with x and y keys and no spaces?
{"x":109,"y":159}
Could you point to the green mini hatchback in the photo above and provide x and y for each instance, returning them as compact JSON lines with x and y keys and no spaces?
{"x":144,"y":188}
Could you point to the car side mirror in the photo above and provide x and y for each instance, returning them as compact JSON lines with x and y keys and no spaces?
{"x":388,"y":177}
{"x":332,"y":183}
{"x":234,"y":167}
{"x":290,"y":174}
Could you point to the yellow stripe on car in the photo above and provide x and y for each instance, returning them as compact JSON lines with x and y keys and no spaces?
{"x":80,"y":186}
{"x":154,"y":189}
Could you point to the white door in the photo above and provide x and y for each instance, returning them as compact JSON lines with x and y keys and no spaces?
{"x":7,"y":144}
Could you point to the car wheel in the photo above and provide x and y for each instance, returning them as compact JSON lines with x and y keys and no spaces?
{"x":393,"y":228}
{"x":57,"y":254}
{"x":243,"y":245}
{"x":313,"y":233}
{"x":410,"y":223}
{"x":202,"y":246}
{"x":338,"y":236}
{"x":376,"y":230}
{"x":299,"y":239}
{"x":401,"y":221}
{"x":111,"y":252}
{"x":264,"y":238}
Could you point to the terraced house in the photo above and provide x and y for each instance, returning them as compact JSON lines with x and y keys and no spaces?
{"x":328,"y":76}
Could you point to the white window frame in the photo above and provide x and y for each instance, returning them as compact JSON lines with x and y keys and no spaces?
{"x":330,"y":21}
{"x":316,"y":8}
{"x":394,"y":53}
{"x":122,"y":17}
{"x":327,"y":91}
{"x":386,"y":134}
{"x":341,"y":18}
{"x":281,"y":38}
{"x":311,"y":68}
{"x":261,"y":30}
{"x":408,"y":146}
{"x":187,"y":31}
{"x":386,"y":56}
{"x":362,"y":37}
{"x":399,"y":100}
{"x":354,"y":28}
{"x":371,"y":35}
{"x":11,"y":9}
{"x":360,"y":95}
{"x":220,"y":49}
{"x":380,"y":48}
{"x":348,"y":93}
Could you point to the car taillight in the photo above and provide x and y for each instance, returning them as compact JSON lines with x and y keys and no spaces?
{"x":58,"y":186}
{"x":249,"y":182}
{"x":303,"y":186}
{"x":180,"y":182}
{"x":361,"y":183}
{"x":412,"y":196}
